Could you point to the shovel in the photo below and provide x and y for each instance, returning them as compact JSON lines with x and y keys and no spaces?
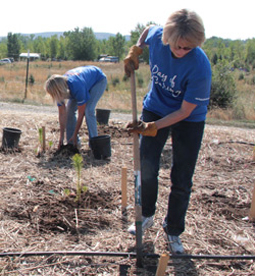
{"x":137,"y":175}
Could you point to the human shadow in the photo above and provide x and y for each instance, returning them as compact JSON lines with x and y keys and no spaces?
{"x":183,"y":267}
{"x":149,"y":260}
{"x":180,"y":265}
{"x":58,"y":159}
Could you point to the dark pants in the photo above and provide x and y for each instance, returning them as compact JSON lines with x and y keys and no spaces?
{"x":186,"y":142}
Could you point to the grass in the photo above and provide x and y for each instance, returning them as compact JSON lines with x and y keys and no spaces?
{"x":117,"y":97}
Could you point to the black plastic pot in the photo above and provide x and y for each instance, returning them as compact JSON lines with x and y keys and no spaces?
{"x":10,"y":137}
{"x":101,"y":146}
{"x":103,"y":116}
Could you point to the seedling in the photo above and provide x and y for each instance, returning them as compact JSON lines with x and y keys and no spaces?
{"x":77,"y":162}
{"x":40,"y":130}
{"x":50,"y":144}
{"x":67,"y":192}
{"x":41,"y":146}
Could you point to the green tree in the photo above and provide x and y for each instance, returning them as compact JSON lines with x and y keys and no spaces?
{"x":135,"y":36}
{"x":40,"y":47}
{"x":223,"y":87}
{"x":238,"y":53}
{"x":3,"y":48}
{"x":53,"y":46}
{"x":81,"y":45}
{"x":13,"y":46}
{"x":103,"y":47}
{"x":62,"y":54}
{"x":250,"y":51}
{"x":116,"y":45}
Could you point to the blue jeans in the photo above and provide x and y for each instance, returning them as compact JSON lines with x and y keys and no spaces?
{"x":96,"y":93}
{"x":186,"y":142}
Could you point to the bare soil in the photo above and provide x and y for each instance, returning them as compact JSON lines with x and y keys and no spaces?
{"x":37,"y":215}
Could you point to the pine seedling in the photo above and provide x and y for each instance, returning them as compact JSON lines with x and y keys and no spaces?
{"x":50,"y":144}
{"x":40,"y":130}
{"x":77,"y":162}
{"x":39,"y":148}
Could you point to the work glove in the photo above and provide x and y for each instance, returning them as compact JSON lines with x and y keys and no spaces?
{"x":131,"y":62}
{"x":143,"y":128}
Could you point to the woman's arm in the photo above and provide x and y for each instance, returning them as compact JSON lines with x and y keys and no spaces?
{"x":62,"y":123}
{"x":177,"y":116}
{"x":140,"y":43}
{"x":81,"y":113}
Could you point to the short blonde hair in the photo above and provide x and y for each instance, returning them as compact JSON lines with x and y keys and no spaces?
{"x":186,"y":25}
{"x":57,"y":87}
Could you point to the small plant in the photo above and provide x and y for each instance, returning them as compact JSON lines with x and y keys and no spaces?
{"x":241,"y":76}
{"x":50,"y":144}
{"x":77,"y":162}
{"x":40,"y":147}
{"x":67,"y":192}
{"x":40,"y":130}
{"x":31,"y":79}
{"x":125,"y":78}
{"x":253,"y":80}
{"x":115,"y":81}
{"x":140,"y":81}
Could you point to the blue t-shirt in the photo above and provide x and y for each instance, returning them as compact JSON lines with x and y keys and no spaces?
{"x":80,"y":80}
{"x":177,"y":79}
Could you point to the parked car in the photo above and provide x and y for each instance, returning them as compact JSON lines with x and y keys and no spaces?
{"x":5,"y":60}
{"x":109,"y":59}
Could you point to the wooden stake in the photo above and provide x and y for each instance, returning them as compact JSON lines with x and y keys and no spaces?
{"x":44,"y":138}
{"x":161,"y":270}
{"x":124,"y":187}
{"x":252,"y":209}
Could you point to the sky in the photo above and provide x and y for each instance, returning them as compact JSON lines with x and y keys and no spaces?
{"x":227,"y":19}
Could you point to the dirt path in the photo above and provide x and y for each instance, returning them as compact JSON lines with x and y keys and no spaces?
{"x":124,"y":117}
{"x":15,"y":107}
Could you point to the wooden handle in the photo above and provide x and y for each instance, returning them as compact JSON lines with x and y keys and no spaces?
{"x":137,"y":173}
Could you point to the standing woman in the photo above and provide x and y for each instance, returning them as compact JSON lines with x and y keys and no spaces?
{"x":83,"y":87}
{"x":176,"y":104}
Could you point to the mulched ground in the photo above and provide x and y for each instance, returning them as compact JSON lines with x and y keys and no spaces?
{"x":38,"y":214}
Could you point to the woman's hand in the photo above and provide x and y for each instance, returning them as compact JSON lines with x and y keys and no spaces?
{"x":73,"y":140}
{"x":146,"y":129}
{"x":131,"y":62}
{"x":62,"y":123}
{"x":60,"y":143}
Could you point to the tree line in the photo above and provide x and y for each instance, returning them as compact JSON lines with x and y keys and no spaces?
{"x":225,"y":55}
{"x":81,"y":44}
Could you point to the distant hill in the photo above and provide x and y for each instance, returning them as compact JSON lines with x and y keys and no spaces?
{"x":99,"y":36}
